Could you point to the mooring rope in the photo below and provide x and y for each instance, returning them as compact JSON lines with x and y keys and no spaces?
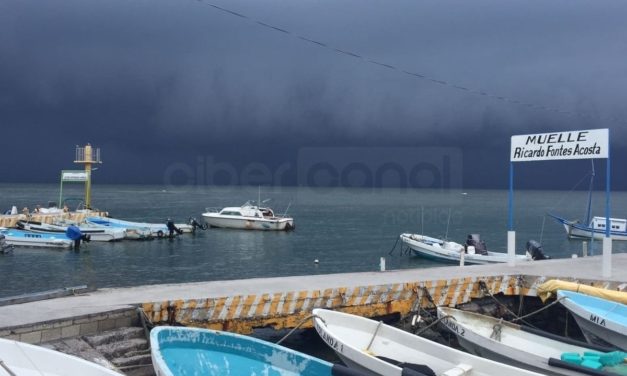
{"x":299,"y":325}
{"x":433,"y":323}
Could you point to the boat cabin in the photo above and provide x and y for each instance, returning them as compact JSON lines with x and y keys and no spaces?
{"x":616,"y":224}
{"x":248,"y":211}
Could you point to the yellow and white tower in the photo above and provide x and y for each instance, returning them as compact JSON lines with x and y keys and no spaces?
{"x":87,"y":155}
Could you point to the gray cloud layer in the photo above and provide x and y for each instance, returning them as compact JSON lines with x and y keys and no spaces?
{"x":177,"y":79}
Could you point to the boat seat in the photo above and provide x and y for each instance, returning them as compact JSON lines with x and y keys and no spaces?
{"x":459,"y":370}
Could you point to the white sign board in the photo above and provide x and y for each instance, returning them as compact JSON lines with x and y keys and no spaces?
{"x":73,"y":176}
{"x":586,"y":144}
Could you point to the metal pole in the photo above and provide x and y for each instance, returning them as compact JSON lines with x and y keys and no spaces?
{"x":511,"y":234}
{"x":607,"y":240}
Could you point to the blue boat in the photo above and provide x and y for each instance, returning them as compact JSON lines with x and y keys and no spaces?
{"x":180,"y":351}
{"x":24,"y":238}
{"x":601,"y":321}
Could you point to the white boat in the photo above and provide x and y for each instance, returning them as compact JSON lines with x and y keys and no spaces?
{"x":379,"y":349}
{"x":22,"y":359}
{"x":601,"y":321}
{"x":178,"y":351}
{"x":447,"y":251}
{"x":156,"y":229}
{"x":595,"y":229}
{"x":24,"y":238}
{"x":514,"y":344}
{"x":95,"y":233}
{"x":248,"y":217}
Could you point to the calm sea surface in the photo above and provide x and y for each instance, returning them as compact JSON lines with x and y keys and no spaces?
{"x":347,"y":230}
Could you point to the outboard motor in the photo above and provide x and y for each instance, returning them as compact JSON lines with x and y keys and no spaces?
{"x":172,"y":228}
{"x":4,"y":247}
{"x":475,"y":241}
{"x":195,"y":224}
{"x":74,"y":233}
{"x":534,"y":248}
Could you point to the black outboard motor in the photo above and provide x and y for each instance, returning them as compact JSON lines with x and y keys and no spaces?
{"x":195,"y":224}
{"x":172,"y":228}
{"x":534,"y":248}
{"x":4,"y":247}
{"x":475,"y":241}
{"x":74,"y":233}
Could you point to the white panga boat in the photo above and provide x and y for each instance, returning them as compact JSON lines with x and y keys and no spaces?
{"x":139,"y":230}
{"x":24,"y":238}
{"x":179,"y":351}
{"x":514,"y":344}
{"x":601,"y":321}
{"x":247,"y":217}
{"x":22,"y":359}
{"x":475,"y":253}
{"x":95,"y":233}
{"x":595,"y":229}
{"x":379,"y":349}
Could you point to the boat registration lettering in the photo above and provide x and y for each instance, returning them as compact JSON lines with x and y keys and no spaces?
{"x":597,"y":320}
{"x":329,"y":340}
{"x":452,"y":325}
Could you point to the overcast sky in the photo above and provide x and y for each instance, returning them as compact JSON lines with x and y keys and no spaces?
{"x":167,"y":87}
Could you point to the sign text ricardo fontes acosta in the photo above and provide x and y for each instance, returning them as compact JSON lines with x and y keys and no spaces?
{"x":591,"y":143}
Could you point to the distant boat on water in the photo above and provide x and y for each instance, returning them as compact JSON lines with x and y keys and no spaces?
{"x":249,"y":216}
{"x":474,"y":251}
{"x":24,"y":238}
{"x":595,"y":229}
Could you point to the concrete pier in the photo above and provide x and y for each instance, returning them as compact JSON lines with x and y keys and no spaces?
{"x":241,"y":305}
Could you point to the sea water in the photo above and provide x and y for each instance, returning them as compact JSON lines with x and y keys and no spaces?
{"x":346,"y":230}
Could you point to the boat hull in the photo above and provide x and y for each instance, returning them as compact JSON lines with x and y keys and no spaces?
{"x":523,"y":349}
{"x":364,"y":343}
{"x":248,"y":223}
{"x":577,"y":230}
{"x":194,"y":351}
{"x":602,"y":321}
{"x":450,"y":252}
{"x":20,"y":238}
{"x":25,"y":359}
{"x":95,"y":234}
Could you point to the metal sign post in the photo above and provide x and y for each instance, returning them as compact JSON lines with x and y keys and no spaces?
{"x":584,"y":144}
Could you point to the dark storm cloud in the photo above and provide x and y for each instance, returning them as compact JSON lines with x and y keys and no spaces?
{"x":161,"y":82}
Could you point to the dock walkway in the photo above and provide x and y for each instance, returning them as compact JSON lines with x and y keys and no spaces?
{"x":245,"y":299}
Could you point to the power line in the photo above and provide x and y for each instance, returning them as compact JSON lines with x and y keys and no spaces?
{"x":418,"y":75}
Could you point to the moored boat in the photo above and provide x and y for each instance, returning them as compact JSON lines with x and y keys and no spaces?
{"x":379,"y":349}
{"x":22,"y":359}
{"x":248,"y":217}
{"x":24,"y":238}
{"x":595,"y":229}
{"x":101,"y":234}
{"x":154,"y":229}
{"x":477,"y":253}
{"x":514,"y":344}
{"x":193,"y":351}
{"x":601,"y":321}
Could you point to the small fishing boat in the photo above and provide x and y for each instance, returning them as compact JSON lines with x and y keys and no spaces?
{"x":178,"y":351}
{"x":248,"y":217}
{"x":474,"y":252}
{"x":140,"y":230}
{"x":22,"y":359}
{"x":595,"y":229}
{"x":95,"y":233}
{"x":601,"y":321}
{"x":24,"y":238}
{"x":514,"y":344}
{"x":379,"y":349}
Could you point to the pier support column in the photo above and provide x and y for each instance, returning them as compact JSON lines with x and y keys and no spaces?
{"x":511,"y":248}
{"x":607,"y":257}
